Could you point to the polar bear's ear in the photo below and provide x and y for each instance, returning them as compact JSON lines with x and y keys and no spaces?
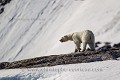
{"x":66,"y":36}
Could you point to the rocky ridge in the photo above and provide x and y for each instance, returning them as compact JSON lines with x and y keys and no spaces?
{"x":107,"y":52}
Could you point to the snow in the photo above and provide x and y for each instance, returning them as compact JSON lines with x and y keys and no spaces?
{"x":27,"y":26}
{"x":32,"y":28}
{"x":106,"y":70}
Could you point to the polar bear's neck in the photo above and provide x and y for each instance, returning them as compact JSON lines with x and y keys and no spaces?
{"x":70,"y":37}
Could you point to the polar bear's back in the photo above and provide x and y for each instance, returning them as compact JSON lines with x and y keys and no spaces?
{"x":87,"y":36}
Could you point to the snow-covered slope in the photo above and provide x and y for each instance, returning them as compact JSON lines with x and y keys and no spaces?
{"x":106,"y":70}
{"x":31,"y":28}
{"x":27,"y":27}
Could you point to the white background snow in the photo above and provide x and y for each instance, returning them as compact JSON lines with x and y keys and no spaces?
{"x":32,"y":28}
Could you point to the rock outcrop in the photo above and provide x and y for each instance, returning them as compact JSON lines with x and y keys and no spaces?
{"x":2,"y":4}
{"x":104,"y":53}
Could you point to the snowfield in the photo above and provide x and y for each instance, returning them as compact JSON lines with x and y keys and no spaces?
{"x":32,"y":28}
{"x":106,"y":70}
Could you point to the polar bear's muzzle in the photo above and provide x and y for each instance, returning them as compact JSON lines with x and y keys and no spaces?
{"x":64,"y":39}
{"x":61,"y":40}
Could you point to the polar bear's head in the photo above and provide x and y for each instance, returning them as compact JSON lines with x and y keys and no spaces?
{"x":64,"y":39}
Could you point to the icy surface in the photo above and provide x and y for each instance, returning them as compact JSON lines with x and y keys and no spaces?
{"x":106,"y":70}
{"x":32,"y":28}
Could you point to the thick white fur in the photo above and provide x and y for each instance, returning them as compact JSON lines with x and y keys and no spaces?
{"x":85,"y":37}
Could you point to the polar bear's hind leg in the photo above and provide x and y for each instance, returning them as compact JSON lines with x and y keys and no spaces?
{"x":92,"y":46}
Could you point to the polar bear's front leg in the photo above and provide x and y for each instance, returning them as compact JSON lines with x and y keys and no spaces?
{"x":77,"y":43}
{"x":84,"y":46}
{"x":77,"y":47}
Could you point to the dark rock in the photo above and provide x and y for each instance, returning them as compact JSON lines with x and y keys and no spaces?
{"x":96,"y":44}
{"x":105,"y":48}
{"x":2,"y":4}
{"x":104,"y":53}
{"x":116,"y":45}
{"x":107,"y":43}
{"x":4,"y":65}
{"x":115,"y":54}
{"x":1,"y":10}
{"x":72,"y":58}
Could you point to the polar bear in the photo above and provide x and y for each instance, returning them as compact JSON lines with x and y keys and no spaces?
{"x":85,"y":37}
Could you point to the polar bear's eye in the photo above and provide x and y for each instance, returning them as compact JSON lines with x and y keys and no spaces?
{"x":65,"y":36}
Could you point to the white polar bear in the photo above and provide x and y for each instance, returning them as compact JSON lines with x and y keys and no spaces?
{"x":85,"y":37}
